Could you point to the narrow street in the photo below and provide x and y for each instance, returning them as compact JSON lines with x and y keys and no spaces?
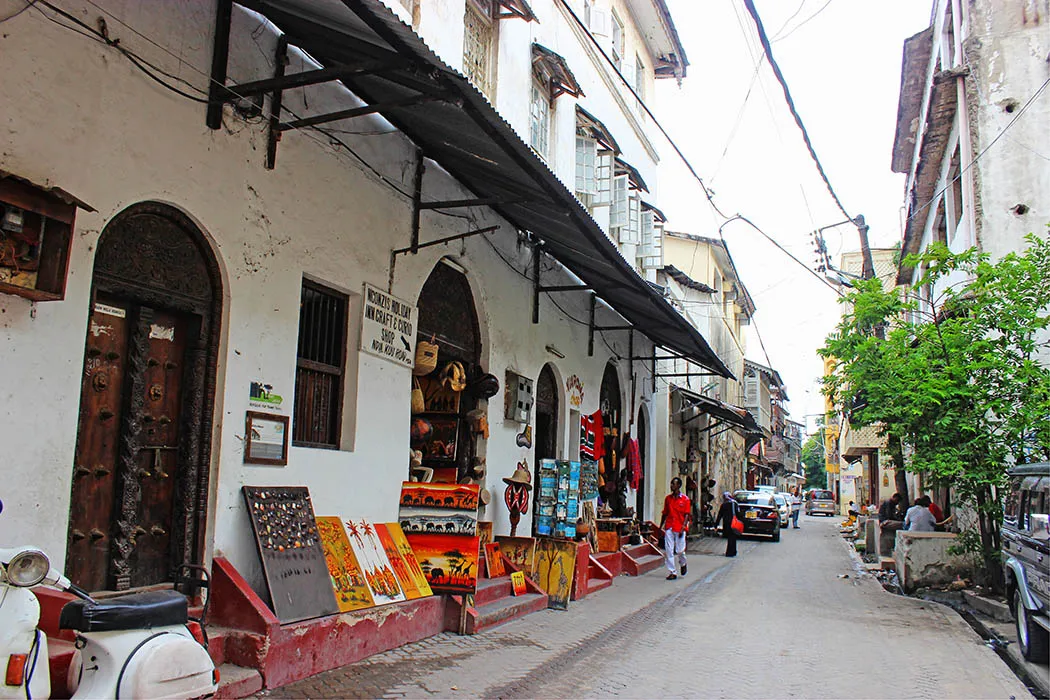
{"x":779,"y":621}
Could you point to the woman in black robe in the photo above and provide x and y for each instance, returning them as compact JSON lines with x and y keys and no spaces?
{"x":725,"y":517}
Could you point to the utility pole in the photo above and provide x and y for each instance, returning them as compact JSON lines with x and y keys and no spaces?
{"x":868,"y":271}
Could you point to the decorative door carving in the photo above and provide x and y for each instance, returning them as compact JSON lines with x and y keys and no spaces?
{"x":139,"y":493}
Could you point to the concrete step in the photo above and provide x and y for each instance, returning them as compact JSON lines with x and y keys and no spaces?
{"x":505,"y":610}
{"x":492,"y":589}
{"x":596,"y":584}
{"x":888,"y":563}
{"x":644,"y":564}
{"x":640,"y":550}
{"x":612,"y":561}
{"x":238,"y":681}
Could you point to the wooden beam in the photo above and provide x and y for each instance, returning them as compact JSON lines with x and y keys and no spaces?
{"x":274,"y":133}
{"x":220,"y":55}
{"x":477,"y":202}
{"x":357,"y":112}
{"x":310,"y":77}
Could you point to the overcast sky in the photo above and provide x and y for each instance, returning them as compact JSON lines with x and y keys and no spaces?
{"x":842,"y":62}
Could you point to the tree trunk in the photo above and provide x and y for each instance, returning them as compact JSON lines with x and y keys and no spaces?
{"x":989,"y":530}
{"x":900,"y":476}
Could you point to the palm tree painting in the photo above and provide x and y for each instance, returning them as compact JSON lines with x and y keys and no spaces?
{"x":348,"y":581}
{"x":378,"y":572}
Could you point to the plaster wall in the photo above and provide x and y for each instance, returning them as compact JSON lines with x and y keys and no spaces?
{"x":318,"y":214}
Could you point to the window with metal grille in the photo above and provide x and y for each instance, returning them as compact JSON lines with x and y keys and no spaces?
{"x":320,"y":368}
{"x":478,"y":38}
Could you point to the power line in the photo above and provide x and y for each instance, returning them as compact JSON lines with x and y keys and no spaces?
{"x":750,"y":4}
{"x":29,"y":3}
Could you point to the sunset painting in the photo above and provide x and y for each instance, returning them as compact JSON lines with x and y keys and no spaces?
{"x":450,"y":562}
{"x":397,"y":561}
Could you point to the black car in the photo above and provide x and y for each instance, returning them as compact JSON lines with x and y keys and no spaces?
{"x":758,"y":511}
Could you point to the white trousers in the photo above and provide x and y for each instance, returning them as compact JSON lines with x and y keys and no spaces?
{"x":674,"y":544}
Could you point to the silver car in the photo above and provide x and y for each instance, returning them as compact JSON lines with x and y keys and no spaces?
{"x":783,"y":507}
{"x":820,"y":501}
{"x":1026,"y":547}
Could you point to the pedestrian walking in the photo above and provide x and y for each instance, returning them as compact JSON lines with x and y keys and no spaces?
{"x":675,"y":523}
{"x":796,"y":507}
{"x":725,"y":516}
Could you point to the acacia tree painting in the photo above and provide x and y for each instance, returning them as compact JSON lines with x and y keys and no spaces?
{"x":963,"y":391}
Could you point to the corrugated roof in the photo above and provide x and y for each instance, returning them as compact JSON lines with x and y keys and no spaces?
{"x":470,"y":140}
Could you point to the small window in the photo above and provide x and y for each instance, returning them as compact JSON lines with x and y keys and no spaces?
{"x":617,"y":42}
{"x":321,"y":367}
{"x":639,"y":80}
{"x":479,"y":39}
{"x":540,"y":117}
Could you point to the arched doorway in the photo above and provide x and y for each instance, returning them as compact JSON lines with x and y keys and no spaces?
{"x":643,"y":445}
{"x":140,"y":475}
{"x":614,"y":493}
{"x":448,"y":318}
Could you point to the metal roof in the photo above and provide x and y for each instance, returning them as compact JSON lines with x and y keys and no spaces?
{"x":460,"y":130}
{"x":726,"y":412}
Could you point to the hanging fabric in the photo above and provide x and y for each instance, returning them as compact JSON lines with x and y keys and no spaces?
{"x":634,"y":464}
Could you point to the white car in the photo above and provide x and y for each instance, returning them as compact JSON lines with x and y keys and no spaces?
{"x":783,"y":501}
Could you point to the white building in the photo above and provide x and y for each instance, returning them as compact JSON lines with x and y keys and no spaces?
{"x":222,"y":257}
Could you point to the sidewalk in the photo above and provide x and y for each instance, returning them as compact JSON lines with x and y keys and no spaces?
{"x":449,"y":665}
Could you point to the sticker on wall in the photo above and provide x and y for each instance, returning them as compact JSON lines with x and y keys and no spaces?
{"x":110,"y":310}
{"x":261,"y":395}
{"x":159,"y":332}
{"x":388,"y":327}
{"x":574,"y":387}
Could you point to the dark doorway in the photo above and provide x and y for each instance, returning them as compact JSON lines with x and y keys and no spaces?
{"x":546,"y":415}
{"x":643,"y":441}
{"x":140,"y":475}
{"x":614,"y":493}
{"x":447,"y":317}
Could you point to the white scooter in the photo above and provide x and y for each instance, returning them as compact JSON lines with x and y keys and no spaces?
{"x":131,"y":646}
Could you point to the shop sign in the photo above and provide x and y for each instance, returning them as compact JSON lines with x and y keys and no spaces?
{"x":388,"y":327}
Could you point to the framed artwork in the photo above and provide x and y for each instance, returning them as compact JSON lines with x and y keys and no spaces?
{"x":440,"y":522}
{"x":293,"y":559}
{"x":378,"y":571}
{"x":439,"y":444}
{"x":348,"y":581}
{"x":520,"y":551}
{"x":397,"y":560}
{"x":555,"y":568}
{"x":419,"y":579}
{"x":494,"y":560}
{"x":517,"y":582}
{"x":265,"y":438}
{"x":485,"y":532}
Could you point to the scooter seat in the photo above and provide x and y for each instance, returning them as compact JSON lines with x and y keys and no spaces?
{"x":126,"y":612}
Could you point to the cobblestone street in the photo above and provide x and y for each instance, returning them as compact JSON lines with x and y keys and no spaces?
{"x":779,"y":621}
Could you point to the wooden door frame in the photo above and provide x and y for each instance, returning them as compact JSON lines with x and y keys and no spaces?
{"x":121,"y":277}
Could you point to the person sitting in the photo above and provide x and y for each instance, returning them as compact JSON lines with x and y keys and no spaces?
{"x":919,"y":518}
{"x":890,"y":513}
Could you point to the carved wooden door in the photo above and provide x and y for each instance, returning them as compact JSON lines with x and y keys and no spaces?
{"x":98,"y":447}
{"x":123,"y":509}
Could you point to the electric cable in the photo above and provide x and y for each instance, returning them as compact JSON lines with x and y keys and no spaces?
{"x":802,"y":23}
{"x":750,"y":5}
{"x":28,"y":4}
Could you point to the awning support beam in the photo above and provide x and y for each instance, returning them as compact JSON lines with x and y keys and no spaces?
{"x":417,"y":194}
{"x":441,"y":241}
{"x":220,"y":56}
{"x":273,"y":134}
{"x":306,"y":78}
{"x":590,"y":325}
{"x":359,"y":111}
{"x":477,"y":202}
{"x":689,"y":374}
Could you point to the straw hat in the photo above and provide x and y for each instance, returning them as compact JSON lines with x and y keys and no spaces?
{"x":521,"y":477}
{"x":454,"y":376}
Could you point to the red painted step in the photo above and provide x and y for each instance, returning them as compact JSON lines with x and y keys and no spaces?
{"x":505,"y":610}
{"x":641,"y":559}
{"x":238,"y":681}
{"x":492,"y":589}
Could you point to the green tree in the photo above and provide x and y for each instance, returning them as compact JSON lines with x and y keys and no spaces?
{"x":813,"y":458}
{"x":961,"y":390}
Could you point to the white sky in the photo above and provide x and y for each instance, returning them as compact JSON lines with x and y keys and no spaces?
{"x":843,"y":68}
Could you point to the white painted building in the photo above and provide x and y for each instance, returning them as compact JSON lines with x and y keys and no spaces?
{"x":219,"y":259}
{"x":970,"y":126}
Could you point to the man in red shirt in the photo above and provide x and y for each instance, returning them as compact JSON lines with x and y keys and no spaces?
{"x":675,"y":523}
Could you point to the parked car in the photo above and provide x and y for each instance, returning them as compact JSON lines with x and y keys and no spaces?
{"x":820,"y":501}
{"x":758,"y":511}
{"x":783,"y":501}
{"x":1026,"y":550}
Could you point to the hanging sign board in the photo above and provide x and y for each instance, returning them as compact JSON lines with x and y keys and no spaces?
{"x":388,"y":327}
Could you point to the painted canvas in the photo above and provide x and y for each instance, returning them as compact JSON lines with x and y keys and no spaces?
{"x":555,"y":566}
{"x":520,"y":551}
{"x":348,"y":582}
{"x":494,"y":560}
{"x":419,"y":579}
{"x":517,"y":582}
{"x":484,"y":532}
{"x":450,"y":562}
{"x":379,"y":573}
{"x":432,"y":495}
{"x":440,"y":522}
{"x":397,"y":560}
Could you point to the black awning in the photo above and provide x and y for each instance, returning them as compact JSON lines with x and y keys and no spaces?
{"x":724,"y":412}
{"x":458,"y":128}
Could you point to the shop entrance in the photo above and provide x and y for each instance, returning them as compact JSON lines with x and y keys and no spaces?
{"x":643,"y":441}
{"x":442,"y":430}
{"x":140,"y":473}
{"x":614,"y":493}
